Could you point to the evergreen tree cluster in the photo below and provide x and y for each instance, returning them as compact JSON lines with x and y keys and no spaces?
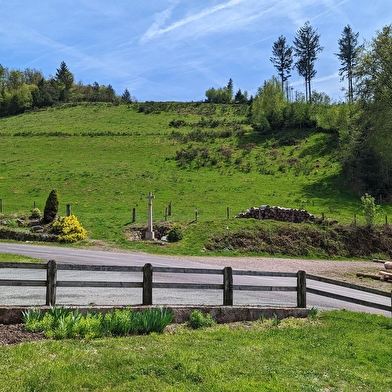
{"x":29,"y":89}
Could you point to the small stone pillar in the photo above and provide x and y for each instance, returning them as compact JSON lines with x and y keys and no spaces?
{"x":150,"y":235}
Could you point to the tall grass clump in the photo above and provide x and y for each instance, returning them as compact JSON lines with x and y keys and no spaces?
{"x":62,"y":323}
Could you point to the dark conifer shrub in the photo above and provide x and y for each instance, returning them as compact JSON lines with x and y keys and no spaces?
{"x":51,"y":207}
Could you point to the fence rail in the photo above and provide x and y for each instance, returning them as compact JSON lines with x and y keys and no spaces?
{"x":147,"y":284}
{"x":350,"y":299}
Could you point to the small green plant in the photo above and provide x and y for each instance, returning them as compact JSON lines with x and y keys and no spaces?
{"x":370,"y":209}
{"x":12,"y":223}
{"x":69,"y":229}
{"x":275,"y":320}
{"x":175,"y":234}
{"x":35,"y":213}
{"x":198,"y":320}
{"x":313,"y":312}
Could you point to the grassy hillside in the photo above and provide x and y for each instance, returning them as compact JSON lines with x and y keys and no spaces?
{"x":105,"y":159}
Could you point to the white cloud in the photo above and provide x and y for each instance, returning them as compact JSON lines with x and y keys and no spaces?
{"x":155,"y":30}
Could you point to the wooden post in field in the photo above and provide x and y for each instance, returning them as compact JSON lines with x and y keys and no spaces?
{"x":68,"y":210}
{"x":147,"y":284}
{"x":227,"y":286}
{"x":1,"y":205}
{"x":166,"y":213}
{"x":134,"y":215}
{"x":386,"y":220}
{"x":169,"y":209}
{"x":51,"y":283}
{"x":196,"y":214}
{"x":301,"y":289}
{"x":355,"y":219}
{"x":228,"y":212}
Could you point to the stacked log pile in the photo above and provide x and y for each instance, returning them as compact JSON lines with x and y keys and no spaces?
{"x":277,"y":213}
{"x":385,"y":274}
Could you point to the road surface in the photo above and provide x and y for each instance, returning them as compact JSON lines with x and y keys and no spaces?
{"x":108,"y":296}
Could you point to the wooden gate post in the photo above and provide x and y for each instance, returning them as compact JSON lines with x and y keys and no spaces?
{"x":51,"y":283}
{"x":301,"y":289}
{"x":147,"y":284}
{"x":227,"y":286}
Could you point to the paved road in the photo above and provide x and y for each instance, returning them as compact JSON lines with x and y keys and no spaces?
{"x":85,"y":296}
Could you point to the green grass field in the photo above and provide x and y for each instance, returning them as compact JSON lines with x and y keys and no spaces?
{"x":104,"y":160}
{"x":337,"y":351}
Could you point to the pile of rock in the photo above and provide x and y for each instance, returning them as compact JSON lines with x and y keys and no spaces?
{"x":277,"y":213}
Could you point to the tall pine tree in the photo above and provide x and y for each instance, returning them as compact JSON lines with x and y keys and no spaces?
{"x":282,"y":59}
{"x":306,"y":49}
{"x":65,"y":80}
{"x":348,"y":56}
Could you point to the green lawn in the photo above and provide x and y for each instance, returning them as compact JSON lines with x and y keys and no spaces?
{"x":11,"y":258}
{"x":338,"y":351}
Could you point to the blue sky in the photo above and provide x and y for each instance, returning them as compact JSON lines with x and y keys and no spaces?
{"x":176,"y":49}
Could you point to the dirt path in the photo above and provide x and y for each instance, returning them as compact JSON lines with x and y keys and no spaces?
{"x":335,"y":269}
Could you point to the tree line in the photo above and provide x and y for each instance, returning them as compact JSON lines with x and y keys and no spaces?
{"x":28,"y":89}
{"x":302,"y":56}
{"x":363,"y":123}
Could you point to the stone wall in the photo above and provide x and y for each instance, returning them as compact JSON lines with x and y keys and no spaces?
{"x":24,"y":235}
{"x":277,"y":213}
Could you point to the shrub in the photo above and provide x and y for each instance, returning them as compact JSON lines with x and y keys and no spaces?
{"x":369,"y":209}
{"x":198,"y":320}
{"x":69,"y":229}
{"x":35,"y":214}
{"x":51,"y":207}
{"x":175,"y":234}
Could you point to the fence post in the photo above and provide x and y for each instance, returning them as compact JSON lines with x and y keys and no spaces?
{"x":134,"y":215}
{"x":147,"y":284}
{"x":227,"y":286}
{"x":1,"y":205}
{"x":51,"y":282}
{"x":301,"y":289}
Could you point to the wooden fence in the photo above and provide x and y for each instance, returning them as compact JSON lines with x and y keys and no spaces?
{"x":147,"y":283}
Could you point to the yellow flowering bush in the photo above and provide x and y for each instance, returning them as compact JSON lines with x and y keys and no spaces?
{"x":69,"y":229}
